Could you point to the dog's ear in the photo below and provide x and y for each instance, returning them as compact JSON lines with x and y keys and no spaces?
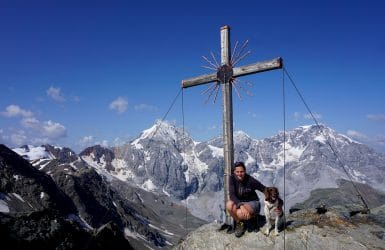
{"x":266,"y":193}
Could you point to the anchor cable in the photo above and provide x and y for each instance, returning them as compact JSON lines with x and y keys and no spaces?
{"x":183,"y":150}
{"x":338,"y":158}
{"x":284,"y":150}
{"x":168,"y":111}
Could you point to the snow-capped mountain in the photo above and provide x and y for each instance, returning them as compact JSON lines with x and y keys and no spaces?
{"x":32,"y":153}
{"x":164,"y":159}
{"x":68,"y":191}
{"x":316,"y":157}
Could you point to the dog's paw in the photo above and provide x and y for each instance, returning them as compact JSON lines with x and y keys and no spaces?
{"x":276,"y":233}
{"x":266,"y":231}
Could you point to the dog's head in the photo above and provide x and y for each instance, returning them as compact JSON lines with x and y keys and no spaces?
{"x":271,"y":194}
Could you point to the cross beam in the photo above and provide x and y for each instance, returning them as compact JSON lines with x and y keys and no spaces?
{"x":239,"y":71}
{"x":225,"y":75}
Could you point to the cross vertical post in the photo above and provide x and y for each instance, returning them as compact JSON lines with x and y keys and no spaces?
{"x":225,"y":75}
{"x":228,"y":145}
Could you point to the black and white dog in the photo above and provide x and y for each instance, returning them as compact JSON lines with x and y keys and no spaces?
{"x":273,"y":210}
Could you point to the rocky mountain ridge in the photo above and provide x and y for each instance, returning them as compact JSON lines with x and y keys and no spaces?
{"x":67,"y":197}
{"x":166,"y":160}
{"x":164,"y":170}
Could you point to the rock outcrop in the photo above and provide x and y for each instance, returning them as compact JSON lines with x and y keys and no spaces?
{"x":330,"y":228}
{"x":62,"y":203}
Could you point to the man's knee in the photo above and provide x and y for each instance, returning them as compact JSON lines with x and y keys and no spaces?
{"x":249,"y":209}
{"x":243,"y":215}
{"x":230,"y":205}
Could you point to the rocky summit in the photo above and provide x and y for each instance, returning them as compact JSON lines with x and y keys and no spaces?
{"x":331,"y":218}
{"x":330,"y":228}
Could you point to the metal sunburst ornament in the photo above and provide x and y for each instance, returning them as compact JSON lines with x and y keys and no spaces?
{"x":225,"y":73}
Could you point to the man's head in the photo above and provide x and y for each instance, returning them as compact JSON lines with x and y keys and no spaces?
{"x":239,"y":170}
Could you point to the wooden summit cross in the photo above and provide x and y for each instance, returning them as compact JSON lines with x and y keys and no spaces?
{"x":225,"y":75}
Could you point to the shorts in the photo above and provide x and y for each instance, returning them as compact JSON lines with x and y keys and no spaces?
{"x":255,"y":205}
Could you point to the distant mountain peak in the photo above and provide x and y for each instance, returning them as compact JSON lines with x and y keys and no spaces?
{"x":161,"y":130}
{"x":31,"y":153}
{"x":310,"y":127}
{"x":241,"y":134}
{"x":323,"y":131}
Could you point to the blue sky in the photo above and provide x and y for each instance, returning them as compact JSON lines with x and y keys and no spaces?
{"x":78,"y":73}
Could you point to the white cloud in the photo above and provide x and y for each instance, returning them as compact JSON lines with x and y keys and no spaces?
{"x":377,"y":117}
{"x":103,"y":143}
{"x":376,"y":142}
{"x":16,"y":111}
{"x":310,"y":117}
{"x":55,"y":94}
{"x":30,"y":122}
{"x":12,"y":137}
{"x":48,"y":129}
{"x":53,"y":130}
{"x":297,"y":116}
{"x":90,"y":140}
{"x":36,"y":132}
{"x":18,"y":138}
{"x":75,"y":98}
{"x":145,"y":107}
{"x":86,"y":141}
{"x":356,"y":135}
{"x":40,"y":141}
{"x":252,"y":114}
{"x":120,"y":105}
{"x":380,"y":139}
{"x":212,"y":127}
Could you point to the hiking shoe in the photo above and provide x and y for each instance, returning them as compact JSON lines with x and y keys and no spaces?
{"x":239,"y":229}
{"x":230,"y":230}
{"x":223,"y":227}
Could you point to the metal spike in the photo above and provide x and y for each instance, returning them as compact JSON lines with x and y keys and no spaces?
{"x":209,"y":88}
{"x":232,"y":54}
{"x":242,"y":57}
{"x":216,"y":85}
{"x":207,"y":60}
{"x":242,"y":48}
{"x":236,"y":89}
{"x":208,"y":67}
{"x":216,"y":94}
{"x":215,"y":60}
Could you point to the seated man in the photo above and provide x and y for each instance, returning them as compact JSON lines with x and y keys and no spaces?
{"x":244,"y":202}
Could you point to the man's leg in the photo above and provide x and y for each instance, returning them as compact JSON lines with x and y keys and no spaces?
{"x":245,"y":212}
{"x":231,"y":207}
{"x":240,"y":215}
{"x":252,"y":208}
